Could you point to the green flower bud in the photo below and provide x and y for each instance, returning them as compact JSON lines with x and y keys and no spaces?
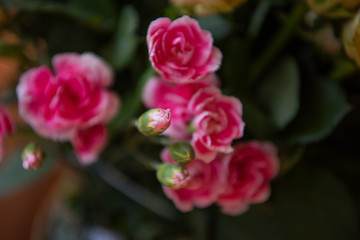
{"x":32,"y":156}
{"x":154,"y":121}
{"x":173,"y":176}
{"x":181,"y":152}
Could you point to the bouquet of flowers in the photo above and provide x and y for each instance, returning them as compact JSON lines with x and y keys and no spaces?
{"x":181,"y":119}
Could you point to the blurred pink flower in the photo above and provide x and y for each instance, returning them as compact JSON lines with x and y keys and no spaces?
{"x":181,"y":51}
{"x":88,"y":143}
{"x":218,"y":121}
{"x":251,"y":167}
{"x":199,"y":112}
{"x":75,"y":98}
{"x":206,"y":182}
{"x":158,"y":93}
{"x":6,"y":126}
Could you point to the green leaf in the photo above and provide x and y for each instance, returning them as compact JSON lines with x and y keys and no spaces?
{"x":309,"y":204}
{"x":97,"y":13}
{"x":9,"y":50}
{"x":122,"y":48}
{"x":235,"y":66}
{"x":78,"y":38}
{"x":131,"y":103}
{"x":258,"y":18}
{"x":256,"y":120}
{"x":96,"y":10}
{"x":216,"y":24}
{"x":279,"y":92}
{"x":14,"y":177}
{"x":171,"y":12}
{"x":322,"y":107}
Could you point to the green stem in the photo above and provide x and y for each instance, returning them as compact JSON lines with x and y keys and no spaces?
{"x":135,"y":191}
{"x":343,"y":70}
{"x":130,"y":105}
{"x":279,"y":40}
{"x":159,"y":140}
{"x":258,"y":18}
{"x":146,"y":161}
{"x":132,"y":147}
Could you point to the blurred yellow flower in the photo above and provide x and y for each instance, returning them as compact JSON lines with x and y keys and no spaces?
{"x":334,"y":8}
{"x":351,"y":38}
{"x":206,"y":7}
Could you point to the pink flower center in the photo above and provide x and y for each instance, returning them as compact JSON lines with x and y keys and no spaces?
{"x":181,"y":50}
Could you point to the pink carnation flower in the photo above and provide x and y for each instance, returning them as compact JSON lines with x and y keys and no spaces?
{"x":251,"y":167}
{"x":158,"y":93}
{"x":88,"y":143}
{"x":218,"y":121}
{"x":73,"y":99}
{"x":6,"y":126}
{"x":206,"y":182}
{"x":181,"y":51}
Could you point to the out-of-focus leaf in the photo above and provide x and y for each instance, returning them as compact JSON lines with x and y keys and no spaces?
{"x":217,"y":25}
{"x":95,"y":10}
{"x":343,"y":69}
{"x":13,"y":176}
{"x":147,"y":231}
{"x":131,"y":103}
{"x":33,"y":5}
{"x":258,"y":18}
{"x":279,"y":92}
{"x":309,"y":204}
{"x":289,"y":157}
{"x":198,"y":220}
{"x":78,"y":38}
{"x":257,"y":123}
{"x":323,"y":105}
{"x":235,"y":66}
{"x":8,"y":50}
{"x":276,"y":44}
{"x":171,"y":12}
{"x":122,"y":48}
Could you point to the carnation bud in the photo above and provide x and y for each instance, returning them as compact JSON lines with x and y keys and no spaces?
{"x":181,"y":152}
{"x":154,"y":121}
{"x":173,"y":176}
{"x":32,"y":156}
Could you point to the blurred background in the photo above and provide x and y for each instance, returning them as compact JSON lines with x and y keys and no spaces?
{"x":292,"y":63}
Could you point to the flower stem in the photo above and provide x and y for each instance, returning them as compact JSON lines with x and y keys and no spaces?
{"x":258,"y":18}
{"x":278,"y":41}
{"x":342,"y":70}
{"x":134,"y":191}
{"x":146,"y":161}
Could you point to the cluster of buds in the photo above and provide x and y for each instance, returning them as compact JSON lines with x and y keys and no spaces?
{"x":154,"y":122}
{"x":32,"y":156}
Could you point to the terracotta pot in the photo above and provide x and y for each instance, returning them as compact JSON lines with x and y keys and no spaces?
{"x":19,"y":210}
